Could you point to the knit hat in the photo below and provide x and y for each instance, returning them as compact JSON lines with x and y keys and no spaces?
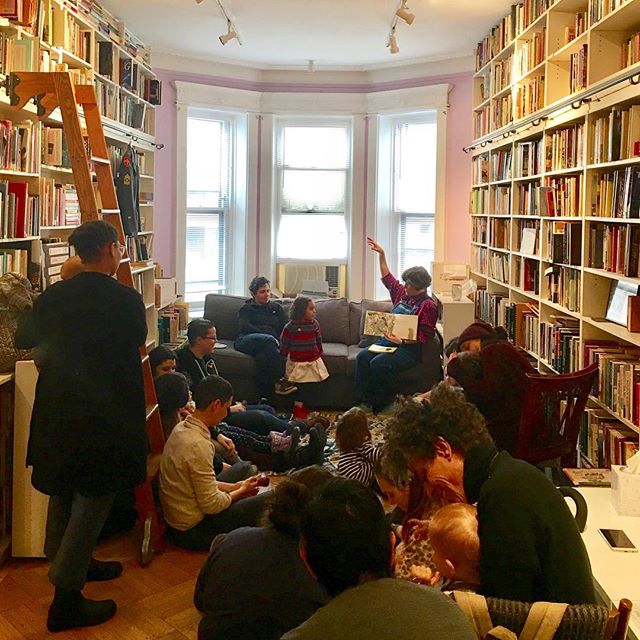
{"x":478,"y":331}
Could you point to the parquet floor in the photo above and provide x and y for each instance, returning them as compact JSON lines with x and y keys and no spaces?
{"x":154,"y":602}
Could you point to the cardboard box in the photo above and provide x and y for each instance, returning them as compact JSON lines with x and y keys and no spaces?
{"x":166,"y":291}
{"x":625,"y":491}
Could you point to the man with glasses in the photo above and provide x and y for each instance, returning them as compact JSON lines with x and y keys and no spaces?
{"x":88,"y":439}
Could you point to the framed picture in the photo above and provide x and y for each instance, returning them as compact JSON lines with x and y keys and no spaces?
{"x":619,"y":300}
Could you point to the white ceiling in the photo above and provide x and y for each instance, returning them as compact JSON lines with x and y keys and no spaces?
{"x":333,"y":33}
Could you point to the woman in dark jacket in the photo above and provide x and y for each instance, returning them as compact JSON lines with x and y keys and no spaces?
{"x":254,"y":584}
{"x":498,"y":385}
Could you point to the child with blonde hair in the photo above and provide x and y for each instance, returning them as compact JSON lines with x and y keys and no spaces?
{"x":453,"y":533}
{"x":358,"y":455}
{"x":301,"y":344}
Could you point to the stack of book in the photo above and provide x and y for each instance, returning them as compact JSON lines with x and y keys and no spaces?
{"x":604,"y":441}
{"x":565,"y":148}
{"x":560,"y":343}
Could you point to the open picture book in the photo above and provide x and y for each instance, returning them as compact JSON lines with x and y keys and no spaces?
{"x":377,"y":323}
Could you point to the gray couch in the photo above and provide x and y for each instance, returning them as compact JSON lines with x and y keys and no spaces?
{"x":341,"y":324}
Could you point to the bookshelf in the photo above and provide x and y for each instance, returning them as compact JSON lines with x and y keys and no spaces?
{"x":97,"y":49}
{"x":555,"y":197}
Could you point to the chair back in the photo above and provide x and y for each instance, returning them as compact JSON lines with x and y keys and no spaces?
{"x":551,"y":412}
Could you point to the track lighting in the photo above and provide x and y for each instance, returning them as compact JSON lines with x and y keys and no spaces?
{"x":393,"y":43}
{"x":404,"y":14}
{"x":230,"y":35}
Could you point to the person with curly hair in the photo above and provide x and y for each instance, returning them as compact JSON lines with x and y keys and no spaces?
{"x":530,"y":546}
{"x":254,"y":583}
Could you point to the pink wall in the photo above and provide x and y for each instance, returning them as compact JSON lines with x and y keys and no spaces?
{"x":458,"y":164}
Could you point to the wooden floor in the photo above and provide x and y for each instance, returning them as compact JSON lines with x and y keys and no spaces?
{"x":154,"y":602}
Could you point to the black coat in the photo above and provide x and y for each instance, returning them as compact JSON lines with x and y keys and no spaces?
{"x":267,"y":318}
{"x":88,"y":423}
{"x":530,"y":546}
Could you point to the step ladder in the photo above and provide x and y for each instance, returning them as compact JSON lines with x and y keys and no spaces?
{"x":55,"y":89}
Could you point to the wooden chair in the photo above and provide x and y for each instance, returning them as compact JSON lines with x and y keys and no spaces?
{"x":551,"y":413}
{"x":618,"y":623}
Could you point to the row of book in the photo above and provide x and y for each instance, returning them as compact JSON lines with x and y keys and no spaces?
{"x":564,"y":241}
{"x":560,"y":343}
{"x":479,"y":201}
{"x":14,"y":261}
{"x":527,"y":274}
{"x":529,"y":97}
{"x":578,"y":63}
{"x":499,"y":234}
{"x":616,"y":135}
{"x":501,"y":74}
{"x":617,"y":194}
{"x":529,"y":158}
{"x":481,"y":122}
{"x":491,"y":307}
{"x":615,"y":248}
{"x":16,"y":54}
{"x":498,"y":264}
{"x":563,"y":286}
{"x":604,"y":441}
{"x":598,"y":9}
{"x":501,"y":200}
{"x":630,"y":52}
{"x":565,"y":148}
{"x":19,"y":147}
{"x":532,"y":52}
{"x":501,"y":165}
{"x":578,"y":28}
{"x":526,"y":330}
{"x":502,"y":113}
{"x":479,"y":259}
{"x":19,"y":211}
{"x":172,"y":322}
{"x":527,"y":231}
{"x":501,"y":35}
{"x":54,"y":148}
{"x":562,"y":196}
{"x":107,"y":99}
{"x":480,"y":169}
{"x":60,"y":206}
{"x":479,"y":230}
{"x":132,"y":112}
{"x":60,"y":29}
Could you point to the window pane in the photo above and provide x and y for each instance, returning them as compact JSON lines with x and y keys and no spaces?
{"x":416,"y":242}
{"x":415,"y":168}
{"x":312,"y":237}
{"x":313,"y":190}
{"x":204,"y":269}
{"x":316,"y":147}
{"x":207,"y":163}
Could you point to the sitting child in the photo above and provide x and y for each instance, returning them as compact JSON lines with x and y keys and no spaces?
{"x":358,"y":456}
{"x":453,"y":533}
{"x":301,"y":344}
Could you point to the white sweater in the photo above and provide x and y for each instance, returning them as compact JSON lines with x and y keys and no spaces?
{"x":188,"y":487}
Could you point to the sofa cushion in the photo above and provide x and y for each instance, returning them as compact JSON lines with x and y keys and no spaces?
{"x":354,"y":323}
{"x":222,"y":310}
{"x":333,"y":316}
{"x":370,"y":305}
{"x":335,"y":357}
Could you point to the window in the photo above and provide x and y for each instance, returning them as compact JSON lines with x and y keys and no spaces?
{"x":413,"y":189}
{"x":208,"y":196}
{"x":313,"y":174}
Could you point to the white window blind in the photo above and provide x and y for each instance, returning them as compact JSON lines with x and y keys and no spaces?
{"x":209,"y":173}
{"x":413,"y":193}
{"x":313,"y":170}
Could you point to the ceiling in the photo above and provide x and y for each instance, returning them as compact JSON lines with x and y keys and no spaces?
{"x":288,"y":33}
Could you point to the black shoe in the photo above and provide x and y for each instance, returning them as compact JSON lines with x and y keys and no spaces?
{"x":70,"y":609}
{"x":285,"y":388}
{"x":313,"y":453}
{"x":100,"y":571}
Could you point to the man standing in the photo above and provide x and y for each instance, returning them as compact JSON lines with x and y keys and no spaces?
{"x":88,"y":439}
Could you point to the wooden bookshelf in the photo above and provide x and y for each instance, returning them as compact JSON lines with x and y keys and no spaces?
{"x":568,"y":156}
{"x":97,"y":49}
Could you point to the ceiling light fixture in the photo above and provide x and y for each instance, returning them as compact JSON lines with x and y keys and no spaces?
{"x":230,"y":35}
{"x":393,"y":42}
{"x":404,"y":14}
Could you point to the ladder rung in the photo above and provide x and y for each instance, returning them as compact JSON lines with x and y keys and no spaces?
{"x":125,"y":260}
{"x":151,"y":409}
{"x":145,"y":359}
{"x":110,"y":212}
{"x":98,"y":160}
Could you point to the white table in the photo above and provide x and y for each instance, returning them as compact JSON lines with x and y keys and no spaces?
{"x":616,"y":574}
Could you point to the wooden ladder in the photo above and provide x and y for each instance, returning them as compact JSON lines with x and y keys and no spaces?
{"x":55,"y":89}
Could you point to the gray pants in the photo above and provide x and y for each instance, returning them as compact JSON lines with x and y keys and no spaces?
{"x":74,"y":523}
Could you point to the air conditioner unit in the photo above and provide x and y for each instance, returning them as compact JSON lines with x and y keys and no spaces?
{"x":291,"y":275}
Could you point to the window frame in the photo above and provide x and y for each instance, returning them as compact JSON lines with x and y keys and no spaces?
{"x":280,"y":124}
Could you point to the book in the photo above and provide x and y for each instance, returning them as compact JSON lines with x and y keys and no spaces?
{"x":377,"y":323}
{"x":589,"y":477}
{"x":379,"y":348}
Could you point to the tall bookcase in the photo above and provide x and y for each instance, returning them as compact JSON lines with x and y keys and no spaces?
{"x":555,"y":197}
{"x":98,"y":50}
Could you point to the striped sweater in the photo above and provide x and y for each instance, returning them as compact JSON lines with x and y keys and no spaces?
{"x":301,"y":341}
{"x":360,"y":464}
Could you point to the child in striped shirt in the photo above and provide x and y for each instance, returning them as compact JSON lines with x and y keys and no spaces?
{"x":301,"y":344}
{"x":358,"y":455}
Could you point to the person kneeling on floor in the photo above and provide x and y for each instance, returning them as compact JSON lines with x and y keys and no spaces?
{"x":197,"y":507}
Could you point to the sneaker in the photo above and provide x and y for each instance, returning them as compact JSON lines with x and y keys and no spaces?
{"x":285,"y":388}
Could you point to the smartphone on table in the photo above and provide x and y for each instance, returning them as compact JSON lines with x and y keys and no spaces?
{"x":618,"y":540}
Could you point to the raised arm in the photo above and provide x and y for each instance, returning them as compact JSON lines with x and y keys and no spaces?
{"x":374,"y":246}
